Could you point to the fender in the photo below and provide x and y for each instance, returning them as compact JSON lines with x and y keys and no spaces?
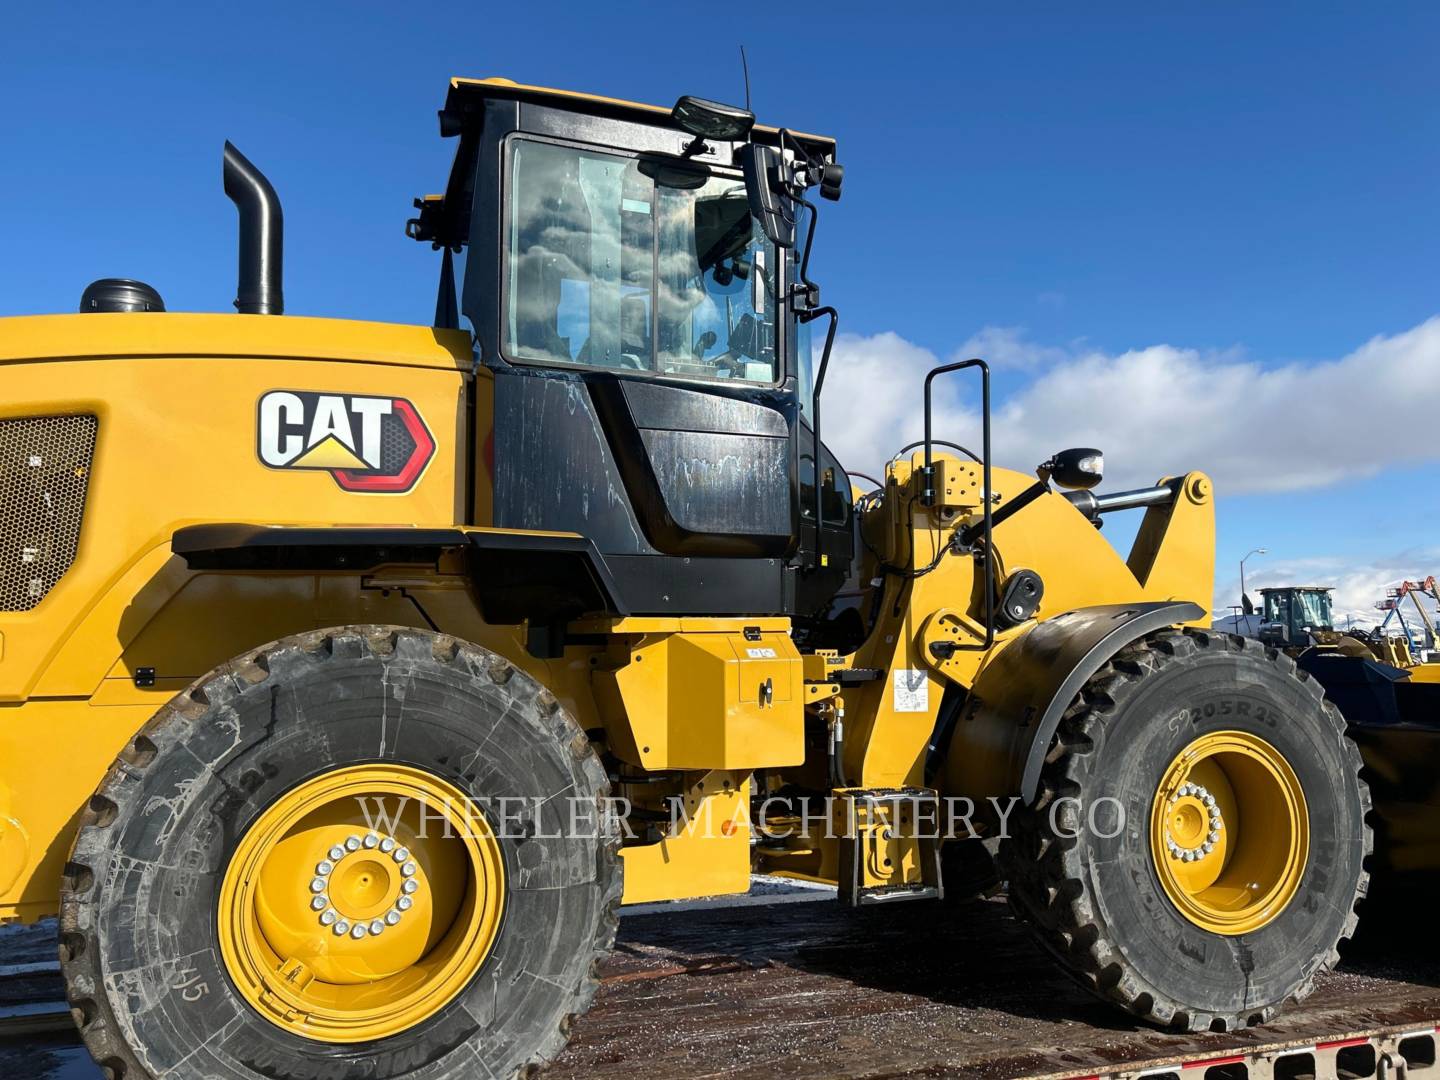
{"x":999,"y":744}
{"x":517,"y":575}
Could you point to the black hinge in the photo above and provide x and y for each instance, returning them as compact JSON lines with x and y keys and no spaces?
{"x":144,"y":677}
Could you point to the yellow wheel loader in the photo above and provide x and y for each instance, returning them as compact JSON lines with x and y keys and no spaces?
{"x":352,"y":675}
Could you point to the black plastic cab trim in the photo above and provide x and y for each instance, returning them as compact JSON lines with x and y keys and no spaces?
{"x":516,"y":575}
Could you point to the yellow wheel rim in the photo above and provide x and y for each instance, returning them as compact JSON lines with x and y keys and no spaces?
{"x":360,"y":903}
{"x":1229,"y":832}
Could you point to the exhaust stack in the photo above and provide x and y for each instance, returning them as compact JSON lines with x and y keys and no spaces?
{"x":262,"y":236}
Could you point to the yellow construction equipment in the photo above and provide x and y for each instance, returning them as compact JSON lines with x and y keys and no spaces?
{"x":353,"y":674}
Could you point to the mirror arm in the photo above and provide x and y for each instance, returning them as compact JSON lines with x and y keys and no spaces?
{"x":809,"y":316}
{"x":447,"y":311}
{"x":807,"y":293}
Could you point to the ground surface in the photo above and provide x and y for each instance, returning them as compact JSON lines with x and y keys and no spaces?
{"x":804,"y":989}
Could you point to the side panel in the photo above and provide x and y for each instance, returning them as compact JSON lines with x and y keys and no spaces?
{"x":179,"y":441}
{"x":177,"y":445}
{"x":708,"y":474}
{"x":705,"y":700}
{"x":54,"y":754}
{"x":710,"y":852}
{"x":558,"y":468}
{"x":554,"y":470}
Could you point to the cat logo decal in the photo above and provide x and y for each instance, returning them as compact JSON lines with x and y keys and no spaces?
{"x":378,"y":445}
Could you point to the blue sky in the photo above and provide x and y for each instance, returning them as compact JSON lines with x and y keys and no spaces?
{"x":1252,"y":186}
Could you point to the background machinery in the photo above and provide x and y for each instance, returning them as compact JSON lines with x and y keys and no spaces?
{"x":1418,"y":641}
{"x":328,"y":650}
{"x":1296,"y":615}
{"x":1390,"y":697}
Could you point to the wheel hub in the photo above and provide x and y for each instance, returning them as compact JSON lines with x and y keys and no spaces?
{"x":1229,"y":832}
{"x":1193,"y":826}
{"x":364,"y":885}
{"x":343,"y":929}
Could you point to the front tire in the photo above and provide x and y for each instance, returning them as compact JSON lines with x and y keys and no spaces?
{"x":1197,"y":849}
{"x":465,"y":951}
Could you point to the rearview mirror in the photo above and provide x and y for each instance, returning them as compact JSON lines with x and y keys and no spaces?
{"x":769,"y":206}
{"x":712,"y":120}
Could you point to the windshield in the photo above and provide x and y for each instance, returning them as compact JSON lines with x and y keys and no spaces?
{"x":637,"y":264}
{"x":1313,"y":609}
{"x":1299,"y":609}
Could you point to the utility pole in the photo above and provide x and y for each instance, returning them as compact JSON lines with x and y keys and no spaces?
{"x":1257,"y":551}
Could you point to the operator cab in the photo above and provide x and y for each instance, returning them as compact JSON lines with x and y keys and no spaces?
{"x":631,"y":279}
{"x":1291,"y":615}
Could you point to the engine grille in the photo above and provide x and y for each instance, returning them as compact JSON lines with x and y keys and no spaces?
{"x":44,"y":475}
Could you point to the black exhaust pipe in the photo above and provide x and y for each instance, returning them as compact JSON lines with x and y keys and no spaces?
{"x":262,"y":236}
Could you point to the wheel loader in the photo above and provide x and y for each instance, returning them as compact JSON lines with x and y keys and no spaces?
{"x":353,"y":675}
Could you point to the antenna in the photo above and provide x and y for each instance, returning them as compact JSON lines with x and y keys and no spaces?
{"x":745,"y":67}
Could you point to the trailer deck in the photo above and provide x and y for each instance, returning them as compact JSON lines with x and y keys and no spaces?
{"x":810,"y":990}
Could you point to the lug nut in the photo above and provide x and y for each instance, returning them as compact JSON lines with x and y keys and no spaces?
{"x":371,"y":840}
{"x":387,"y":845}
{"x":352,"y":843}
{"x":319,"y":903}
{"x":403,"y":903}
{"x":401,"y":854}
{"x":328,"y":917}
{"x":410,"y":886}
{"x":357,"y":931}
{"x":392,"y":917}
{"x":341,"y":928}
{"x":337,"y":852}
{"x":317,"y":885}
{"x":376,"y":927}
{"x":408,"y":870}
{"x":324,"y":866}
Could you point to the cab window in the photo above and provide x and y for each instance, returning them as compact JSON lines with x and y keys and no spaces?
{"x":635,"y":264}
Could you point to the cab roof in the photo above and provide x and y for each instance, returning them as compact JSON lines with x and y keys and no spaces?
{"x":465,"y":93}
{"x":1298,"y":588}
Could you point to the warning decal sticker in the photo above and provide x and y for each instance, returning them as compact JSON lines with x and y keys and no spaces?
{"x":912,"y":690}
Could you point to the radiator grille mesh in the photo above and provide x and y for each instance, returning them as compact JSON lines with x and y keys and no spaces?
{"x":44,"y":475}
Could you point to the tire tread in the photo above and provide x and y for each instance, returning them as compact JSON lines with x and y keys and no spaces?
{"x":1047,"y":884}
{"x":80,"y":952}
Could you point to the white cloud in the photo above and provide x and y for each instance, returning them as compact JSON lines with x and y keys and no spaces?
{"x":1154,"y":411}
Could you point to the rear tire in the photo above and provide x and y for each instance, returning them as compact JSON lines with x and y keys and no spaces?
{"x":1098,"y":903}
{"x":153,"y":992}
